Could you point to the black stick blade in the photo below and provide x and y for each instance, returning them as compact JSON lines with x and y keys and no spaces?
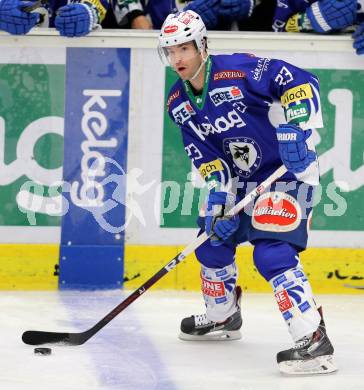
{"x":35,"y":337}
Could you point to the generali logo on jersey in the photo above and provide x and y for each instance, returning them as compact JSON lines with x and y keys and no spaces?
{"x":277,"y":212}
{"x":229,"y":75}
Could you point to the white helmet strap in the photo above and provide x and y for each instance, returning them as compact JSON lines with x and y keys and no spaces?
{"x":203,"y":62}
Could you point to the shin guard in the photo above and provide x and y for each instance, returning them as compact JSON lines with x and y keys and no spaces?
{"x":295,"y":300}
{"x":218,"y":289}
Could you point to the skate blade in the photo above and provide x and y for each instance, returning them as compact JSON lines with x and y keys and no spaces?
{"x":222,"y":335}
{"x":319,"y":365}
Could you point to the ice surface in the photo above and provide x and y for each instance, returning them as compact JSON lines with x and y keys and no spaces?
{"x":139,"y":349}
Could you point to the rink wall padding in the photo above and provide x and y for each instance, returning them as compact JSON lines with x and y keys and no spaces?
{"x":95,"y":155}
{"x":330,"y":270}
{"x":35,"y":267}
{"x":29,"y":266}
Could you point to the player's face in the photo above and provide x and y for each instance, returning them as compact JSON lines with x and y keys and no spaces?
{"x":185,"y":59}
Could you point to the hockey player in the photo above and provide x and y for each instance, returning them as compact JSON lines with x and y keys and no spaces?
{"x":216,"y":14}
{"x":322,"y":16}
{"x":224,"y":107}
{"x":127,"y":14}
{"x":71,"y":20}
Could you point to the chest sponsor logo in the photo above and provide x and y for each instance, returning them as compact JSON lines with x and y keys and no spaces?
{"x":298,"y":113}
{"x":229,"y":75}
{"x":220,"y":125}
{"x":227,"y":94}
{"x":245,"y":153}
{"x":183,"y":112}
{"x":303,"y":91}
{"x":210,"y":167}
{"x":276,"y":212}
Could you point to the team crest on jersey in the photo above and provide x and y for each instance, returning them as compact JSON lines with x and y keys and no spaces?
{"x":227,"y":94}
{"x":245,"y":153}
{"x":183,"y":112}
{"x":276,"y":212}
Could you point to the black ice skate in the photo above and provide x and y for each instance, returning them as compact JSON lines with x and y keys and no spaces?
{"x":310,"y":355}
{"x":198,"y":327}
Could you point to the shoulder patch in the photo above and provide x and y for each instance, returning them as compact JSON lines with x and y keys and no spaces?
{"x":297,"y":113}
{"x":261,"y":66}
{"x":172,"y":97}
{"x":301,"y":92}
{"x":210,"y":167}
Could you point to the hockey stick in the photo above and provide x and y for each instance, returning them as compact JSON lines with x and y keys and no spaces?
{"x":37,"y":4}
{"x":39,"y":7}
{"x":34,"y":337}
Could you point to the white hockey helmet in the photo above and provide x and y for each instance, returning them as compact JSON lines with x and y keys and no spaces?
{"x":182,"y":27}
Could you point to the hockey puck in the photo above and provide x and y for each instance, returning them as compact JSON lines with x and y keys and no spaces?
{"x":42,"y":351}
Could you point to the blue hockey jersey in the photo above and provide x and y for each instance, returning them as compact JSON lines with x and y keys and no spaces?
{"x":230,"y":130}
